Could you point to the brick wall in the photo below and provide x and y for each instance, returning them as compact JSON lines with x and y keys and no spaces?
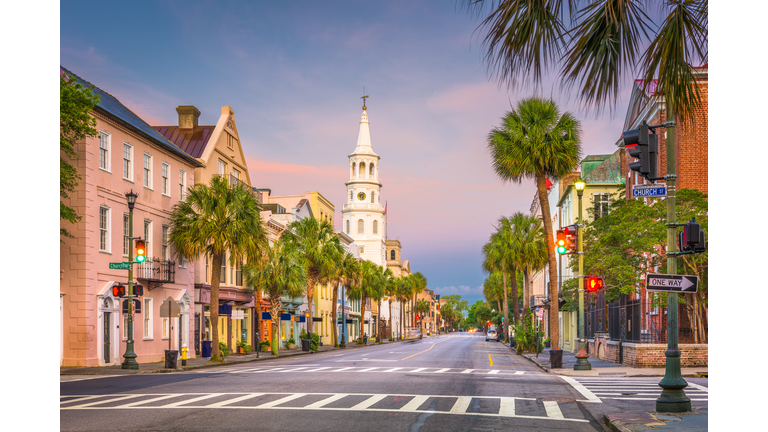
{"x":647,"y":355}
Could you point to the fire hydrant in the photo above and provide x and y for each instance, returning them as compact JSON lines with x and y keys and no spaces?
{"x":184,"y":355}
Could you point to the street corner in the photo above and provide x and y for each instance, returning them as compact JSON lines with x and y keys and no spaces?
{"x":641,"y":421}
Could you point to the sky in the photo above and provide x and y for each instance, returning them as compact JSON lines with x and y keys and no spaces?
{"x":294,"y":72}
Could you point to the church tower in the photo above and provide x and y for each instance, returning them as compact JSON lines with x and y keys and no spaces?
{"x":363,"y":214}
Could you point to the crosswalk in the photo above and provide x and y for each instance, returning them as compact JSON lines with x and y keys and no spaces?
{"x":377,"y":369}
{"x":492,"y":406}
{"x":596,"y":388}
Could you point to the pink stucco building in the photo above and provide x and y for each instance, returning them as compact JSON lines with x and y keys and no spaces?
{"x":127,"y":155}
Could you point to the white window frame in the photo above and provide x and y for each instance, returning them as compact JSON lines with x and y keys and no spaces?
{"x":147,"y":170}
{"x":148,"y":319}
{"x":148,"y":238}
{"x":235,"y":173}
{"x":105,"y":144}
{"x":166,"y":329}
{"x":126,"y":230}
{"x":182,"y":185}
{"x":105,"y":229}
{"x":165,"y":253}
{"x":222,"y":168}
{"x":166,"y":178}
{"x":129,"y":161}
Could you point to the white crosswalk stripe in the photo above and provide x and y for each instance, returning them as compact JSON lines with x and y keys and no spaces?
{"x":376,"y":369}
{"x":631,"y":388}
{"x":461,"y":405}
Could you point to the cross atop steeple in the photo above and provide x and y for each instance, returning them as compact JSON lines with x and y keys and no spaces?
{"x":364,"y":98}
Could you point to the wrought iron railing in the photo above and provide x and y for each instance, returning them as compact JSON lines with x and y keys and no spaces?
{"x":157,"y":270}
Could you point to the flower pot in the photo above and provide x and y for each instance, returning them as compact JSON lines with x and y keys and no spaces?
{"x":291,"y":346}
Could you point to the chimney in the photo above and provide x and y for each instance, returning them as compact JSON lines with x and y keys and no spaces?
{"x":188,"y":115}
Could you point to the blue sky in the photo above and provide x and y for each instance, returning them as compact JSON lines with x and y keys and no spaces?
{"x":294,"y":73}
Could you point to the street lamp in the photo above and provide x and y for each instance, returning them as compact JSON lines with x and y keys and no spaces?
{"x":582,"y":358}
{"x":130,"y":356}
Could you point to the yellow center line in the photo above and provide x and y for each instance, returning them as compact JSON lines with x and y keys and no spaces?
{"x":490,"y":359}
{"x":433,"y":345}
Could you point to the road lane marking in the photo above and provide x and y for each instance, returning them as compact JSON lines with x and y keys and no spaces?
{"x":443,"y":370}
{"x":461,"y":405}
{"x":495,"y":371}
{"x":280,"y":401}
{"x":320,"y":368}
{"x":79,"y":398}
{"x":468,"y":371}
{"x":519,"y":372}
{"x":490,"y":359}
{"x":369,"y":369}
{"x":199,"y":398}
{"x":326,"y":401}
{"x":343,"y":369}
{"x":293,"y":370}
{"x":105,"y":401}
{"x":237,"y":399}
{"x":507,"y":407}
{"x":553,"y":411}
{"x":590,"y":397}
{"x":433,"y":345}
{"x":418,"y":370}
{"x":414,"y":403}
{"x":368,"y":402}
{"x":393,"y":369}
{"x":133,"y":404}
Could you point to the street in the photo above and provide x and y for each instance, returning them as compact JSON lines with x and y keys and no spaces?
{"x":448,"y":382}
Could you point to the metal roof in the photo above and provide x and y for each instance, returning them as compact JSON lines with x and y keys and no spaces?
{"x":191,"y":141}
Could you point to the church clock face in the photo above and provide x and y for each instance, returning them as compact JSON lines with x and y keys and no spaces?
{"x":361,"y":196}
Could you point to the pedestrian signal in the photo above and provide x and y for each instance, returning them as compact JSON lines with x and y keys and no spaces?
{"x":593,"y":284}
{"x":118,"y":290}
{"x":141,"y":251}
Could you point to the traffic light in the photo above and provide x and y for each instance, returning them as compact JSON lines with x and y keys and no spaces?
{"x":560,"y":242}
{"x":644,"y":146}
{"x":118,"y":290}
{"x":691,"y":239}
{"x":572,"y":238}
{"x":593,"y":283}
{"x":141,"y":251}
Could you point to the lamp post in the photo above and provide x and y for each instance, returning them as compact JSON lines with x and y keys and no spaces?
{"x":130,"y":356}
{"x":582,"y":358}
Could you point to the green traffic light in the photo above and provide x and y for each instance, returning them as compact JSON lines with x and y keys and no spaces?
{"x":140,"y":258}
{"x":561,"y":250}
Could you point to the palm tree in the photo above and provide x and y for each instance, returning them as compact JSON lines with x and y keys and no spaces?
{"x":492,"y":288}
{"x":278,"y":273}
{"x":530,"y":251}
{"x":345,"y":271}
{"x":536,"y":142}
{"x":212,"y":220}
{"x":366,"y":287}
{"x":507,"y":234}
{"x":381,"y":290}
{"x":596,"y":44}
{"x":419,"y":283}
{"x":404,"y":291}
{"x":390,"y":290}
{"x":498,"y":257}
{"x":422,"y":307}
{"x":317,"y":244}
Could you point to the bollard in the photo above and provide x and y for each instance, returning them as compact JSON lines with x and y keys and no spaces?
{"x":184,"y":355}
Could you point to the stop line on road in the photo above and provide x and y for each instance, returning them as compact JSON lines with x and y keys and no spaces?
{"x":382,"y":369}
{"x":492,"y":406}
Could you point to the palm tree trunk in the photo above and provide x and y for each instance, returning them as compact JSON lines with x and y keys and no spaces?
{"x":515,"y":301}
{"x":274,"y":303}
{"x":402,"y":317}
{"x":214,"y":304}
{"x":505,"y":321}
{"x":363,"y":299}
{"x":257,"y":305}
{"x":333,"y":312}
{"x":391,"y":328}
{"x":554,"y":331}
{"x":311,"y":281}
{"x":526,"y":297}
{"x":378,"y":319}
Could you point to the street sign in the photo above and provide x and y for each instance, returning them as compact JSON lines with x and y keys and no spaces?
{"x":649,"y":191}
{"x":120,"y":266}
{"x":671,"y":283}
{"x":170,"y":308}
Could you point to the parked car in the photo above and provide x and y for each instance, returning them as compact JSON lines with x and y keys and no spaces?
{"x":413,"y":333}
{"x":491,"y":335}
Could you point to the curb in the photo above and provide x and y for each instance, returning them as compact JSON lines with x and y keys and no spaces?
{"x":615,"y":425}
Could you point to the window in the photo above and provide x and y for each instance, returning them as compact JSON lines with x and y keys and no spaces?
{"x":373,"y":194}
{"x":223,"y":274}
{"x":166,"y":328}
{"x":164,"y":250}
{"x":166,"y":171}
{"x":147,"y":171}
{"x":236,"y":174}
{"x":354,"y":170}
{"x":239,"y":274}
{"x":362,"y":249}
{"x":600,"y":203}
{"x":104,"y":150}
{"x":148,"y":237}
{"x":360,"y":226}
{"x":126,"y":230}
{"x":182,"y":185}
{"x":103,"y":229}
{"x":347,"y":227}
{"x":392,"y":254}
{"x":350,"y":196}
{"x":375,"y":227}
{"x":370,"y":175}
{"x":147,"y":312}
{"x":127,"y":165}
{"x":362,"y":169}
{"x":222,"y":168}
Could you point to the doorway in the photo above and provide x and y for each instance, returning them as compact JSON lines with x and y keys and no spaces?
{"x":107,"y":345}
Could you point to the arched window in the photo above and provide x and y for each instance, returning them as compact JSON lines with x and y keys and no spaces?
{"x":362,"y":169}
{"x":360,"y":226}
{"x":373,"y":194}
{"x":347,"y":226}
{"x":392,"y":254}
{"x":354,"y":173}
{"x":375,"y":227}
{"x":371,"y":171}
{"x":350,"y":196}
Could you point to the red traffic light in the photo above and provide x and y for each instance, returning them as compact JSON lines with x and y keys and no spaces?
{"x":593,"y":284}
{"x":118,"y":290}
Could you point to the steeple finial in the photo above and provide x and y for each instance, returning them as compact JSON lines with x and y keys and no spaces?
{"x":364,"y":98}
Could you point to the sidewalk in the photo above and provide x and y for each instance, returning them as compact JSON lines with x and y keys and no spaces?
{"x":200,"y":362}
{"x":630,"y":421}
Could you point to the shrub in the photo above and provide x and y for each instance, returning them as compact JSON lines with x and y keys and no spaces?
{"x":314,"y":342}
{"x":223,"y":349}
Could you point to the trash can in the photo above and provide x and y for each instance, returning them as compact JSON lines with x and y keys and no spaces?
{"x":305,"y":344}
{"x":555,"y":359}
{"x":170,"y":359}
{"x":207,"y":349}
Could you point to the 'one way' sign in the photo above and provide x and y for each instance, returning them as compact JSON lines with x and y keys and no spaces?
{"x":671,"y":283}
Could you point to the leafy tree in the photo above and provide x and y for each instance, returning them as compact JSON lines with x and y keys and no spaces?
{"x":75,"y":123}
{"x":422,"y":308}
{"x":278,"y":273}
{"x":457,"y":303}
{"x":317,"y":244}
{"x":536,"y":142}
{"x":492,"y":290}
{"x":212,"y":220}
{"x":419,"y":283}
{"x":367,"y":286}
{"x":499,"y":255}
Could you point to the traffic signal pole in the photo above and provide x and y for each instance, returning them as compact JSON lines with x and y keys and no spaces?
{"x":672,"y":398}
{"x":130,"y":356}
{"x":582,"y":358}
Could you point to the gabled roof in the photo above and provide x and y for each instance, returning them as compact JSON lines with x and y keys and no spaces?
{"x":191,"y":141}
{"x":110,"y":106}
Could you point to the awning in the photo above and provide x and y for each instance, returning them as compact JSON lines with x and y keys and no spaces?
{"x":225,"y":309}
{"x":285,"y":317}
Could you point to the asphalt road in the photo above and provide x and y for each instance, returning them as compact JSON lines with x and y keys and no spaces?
{"x":452,"y":382}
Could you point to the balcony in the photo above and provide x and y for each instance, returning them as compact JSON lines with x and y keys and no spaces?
{"x":156,"y":272}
